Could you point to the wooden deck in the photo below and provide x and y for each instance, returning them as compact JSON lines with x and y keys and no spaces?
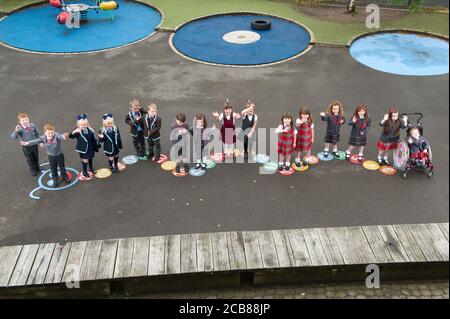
{"x":227,"y":258}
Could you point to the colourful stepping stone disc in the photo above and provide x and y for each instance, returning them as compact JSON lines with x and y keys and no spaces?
{"x":302,"y":168}
{"x":196,"y":172}
{"x":287,"y":173}
{"x":388,"y":170}
{"x":121,"y":166}
{"x":271,"y":166}
{"x":182,"y":173}
{"x":341,"y":156}
{"x":322,"y":157}
{"x":311,"y":159}
{"x":354,"y":159}
{"x":217,"y":157}
{"x":130,"y":159}
{"x":261,"y":158}
{"x":210,"y":164}
{"x":371,"y":165}
{"x":168,"y":165}
{"x":162,"y":159}
{"x":82,"y":178}
{"x":103,"y":173}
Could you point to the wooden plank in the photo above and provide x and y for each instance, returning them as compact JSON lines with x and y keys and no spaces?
{"x":283,"y":248}
{"x":156,"y":255}
{"x":236,"y":251}
{"x":74,"y":262}
{"x":299,"y":248}
{"x":8,"y":261}
{"x":221,"y":260}
{"x":252,"y":252}
{"x":438,"y":239}
{"x":107,"y":259}
{"x":124,"y":258}
{"x":41,"y":264}
{"x":444,"y":228}
{"x":91,"y":260}
{"x":354,"y":245}
{"x":23,"y":265}
{"x":393,"y":244}
{"x":268,"y":250}
{"x":409,"y":243}
{"x":172,"y":259}
{"x":315,"y":249}
{"x":139,"y":267}
{"x":188,"y":253}
{"x":204,"y":253}
{"x":425,"y":242}
{"x":378,"y":244}
{"x":58,"y":263}
{"x":330,"y":248}
{"x":2,"y":251}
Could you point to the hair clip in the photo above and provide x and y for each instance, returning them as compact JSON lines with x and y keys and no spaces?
{"x":106,"y":115}
{"x":81,"y":117}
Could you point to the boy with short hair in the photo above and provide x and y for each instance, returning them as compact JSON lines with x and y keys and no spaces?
{"x":135,"y":119}
{"x":52,"y":144}
{"x":152,"y":126}
{"x":27,"y":131}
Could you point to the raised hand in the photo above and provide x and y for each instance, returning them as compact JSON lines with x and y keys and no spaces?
{"x":386,"y":117}
{"x":322,"y":113}
{"x":354,"y":119}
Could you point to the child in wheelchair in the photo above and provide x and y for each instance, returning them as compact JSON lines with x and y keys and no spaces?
{"x":419,"y":151}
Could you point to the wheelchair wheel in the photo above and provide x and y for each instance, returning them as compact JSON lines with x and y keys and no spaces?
{"x":405,"y":175}
{"x":401,"y":155}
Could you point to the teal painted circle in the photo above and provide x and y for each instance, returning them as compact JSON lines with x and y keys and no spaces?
{"x":210,"y":164}
{"x":36,"y":29}
{"x":261,"y":158}
{"x":197,"y":172}
{"x":402,"y":53}
{"x":270,"y":166}
{"x":341,"y":156}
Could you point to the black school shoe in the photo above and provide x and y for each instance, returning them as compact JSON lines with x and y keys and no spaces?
{"x":286,"y":168}
{"x":186,"y":168}
{"x":245,"y":155}
{"x":280,"y":167}
{"x":177,"y":169}
{"x":347,"y":156}
{"x":116,"y":169}
{"x":203,"y":166}
{"x":55,"y":182}
{"x":198,"y":166}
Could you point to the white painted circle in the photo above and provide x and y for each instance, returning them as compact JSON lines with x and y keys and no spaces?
{"x":241,"y":37}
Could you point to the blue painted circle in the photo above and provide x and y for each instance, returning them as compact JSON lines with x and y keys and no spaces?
{"x":203,"y":40}
{"x":36,"y":28}
{"x":73,"y":182}
{"x":402,"y":53}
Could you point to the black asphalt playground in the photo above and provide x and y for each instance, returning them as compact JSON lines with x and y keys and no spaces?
{"x":144,"y":200}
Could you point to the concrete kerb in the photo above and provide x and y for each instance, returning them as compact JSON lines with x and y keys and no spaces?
{"x":84,"y":52}
{"x":312,"y":42}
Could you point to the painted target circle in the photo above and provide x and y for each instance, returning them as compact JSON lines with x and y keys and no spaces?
{"x":197,"y":172}
{"x":241,"y":37}
{"x":121,"y":166}
{"x":302,"y":168}
{"x":371,"y":165}
{"x":354,"y":159}
{"x":210,"y":164}
{"x":311,"y":159}
{"x":130,"y":159}
{"x":182,"y":173}
{"x":271,"y":166}
{"x":162,"y":159}
{"x":326,"y":158}
{"x":70,"y":170}
{"x":168,"y":165}
{"x":388,"y":170}
{"x":103,"y":173}
{"x":287,"y":172}
{"x":341,"y":156}
{"x":83,"y":178}
{"x":261,"y":158}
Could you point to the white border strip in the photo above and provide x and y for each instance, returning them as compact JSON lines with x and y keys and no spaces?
{"x":87,"y":52}
{"x":311,"y":42}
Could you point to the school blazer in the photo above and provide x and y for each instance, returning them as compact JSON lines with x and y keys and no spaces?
{"x":152,"y":127}
{"x":83,"y":143}
{"x":109,"y":139}
{"x":129,"y":119}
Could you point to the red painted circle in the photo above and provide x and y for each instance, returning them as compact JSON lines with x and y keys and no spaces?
{"x":287,"y":173}
{"x":181,"y":174}
{"x":354,"y":159}
{"x":388,"y":170}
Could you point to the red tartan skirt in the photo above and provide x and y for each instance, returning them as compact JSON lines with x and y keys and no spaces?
{"x":304,"y":138}
{"x":286,"y":143}
{"x":382,"y":147}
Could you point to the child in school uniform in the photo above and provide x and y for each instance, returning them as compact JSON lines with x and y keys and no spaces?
{"x":249,"y":122}
{"x":52,"y":144}
{"x":227,"y":119}
{"x":391,"y":124}
{"x":334,"y":116}
{"x":27,"y":131}
{"x":87,"y":145}
{"x":198,"y":131}
{"x":180,"y":128}
{"x":286,"y":141}
{"x":305,"y":135}
{"x":152,"y":126}
{"x":360,"y":123}
{"x":109,"y":135}
{"x":135,"y":119}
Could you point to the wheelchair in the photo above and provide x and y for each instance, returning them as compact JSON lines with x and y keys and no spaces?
{"x":404,"y":161}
